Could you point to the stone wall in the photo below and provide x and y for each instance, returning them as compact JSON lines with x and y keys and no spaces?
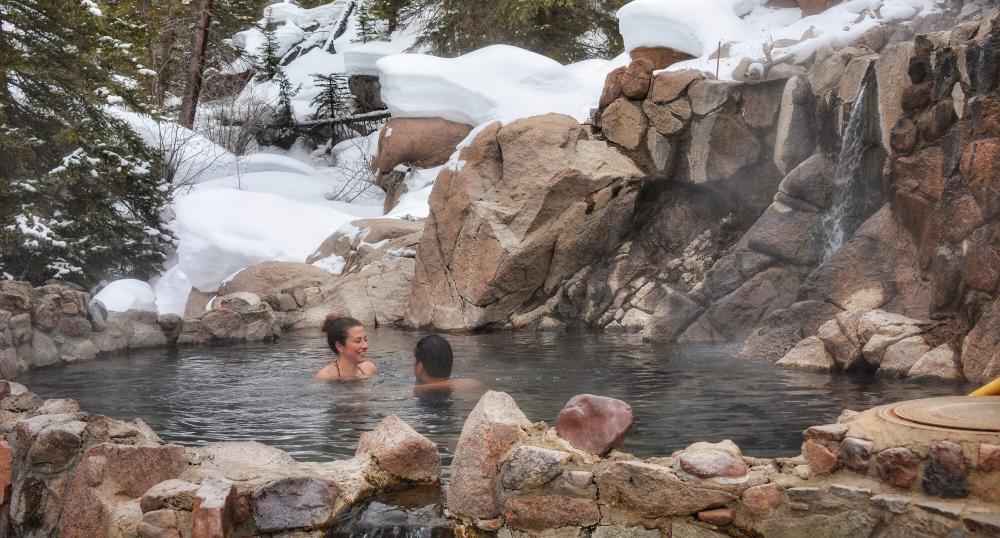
{"x":54,"y":324}
{"x":862,"y":476}
{"x":64,"y":472}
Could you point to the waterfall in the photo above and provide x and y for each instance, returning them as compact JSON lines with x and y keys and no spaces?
{"x":853,"y":196}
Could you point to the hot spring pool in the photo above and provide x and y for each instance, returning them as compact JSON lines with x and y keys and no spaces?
{"x":265,"y":392}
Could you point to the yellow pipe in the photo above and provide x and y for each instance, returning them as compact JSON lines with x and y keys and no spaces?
{"x":990,"y":389}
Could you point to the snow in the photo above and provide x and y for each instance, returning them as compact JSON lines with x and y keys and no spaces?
{"x":745,"y":28}
{"x":414,"y":203}
{"x":195,"y":157}
{"x":495,"y":82}
{"x":691,"y":26}
{"x":172,"y":290}
{"x":360,"y":59}
{"x":127,"y":294}
{"x":222,"y":231}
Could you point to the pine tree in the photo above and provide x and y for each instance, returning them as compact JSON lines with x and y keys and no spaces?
{"x":332,"y":100}
{"x":81,"y":196}
{"x":269,"y":62}
{"x":368,"y":29}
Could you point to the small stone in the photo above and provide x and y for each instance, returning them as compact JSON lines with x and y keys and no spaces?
{"x":669,"y":85}
{"x":826,"y":432}
{"x":821,"y":460}
{"x":612,"y":87}
{"x":289,"y":503}
{"x":989,"y":457}
{"x":717,"y":516}
{"x":803,"y":472}
{"x":762,"y":499}
{"x":580,"y":479}
{"x":946,"y":471}
{"x":988,"y":524}
{"x":621,"y":531}
{"x":856,"y":453}
{"x":594,"y":424}
{"x":636,"y":79}
{"x":550,"y":511}
{"x":896,"y":504}
{"x":489,"y":525}
{"x":950,"y":510}
{"x":401,"y":451}
{"x":806,"y":493}
{"x":847,"y":416}
{"x":159,"y":524}
{"x":531,"y":467}
{"x":712,"y":464}
{"x":214,"y":512}
{"x":850,"y":492}
{"x":170,"y":494}
{"x":897,"y":466}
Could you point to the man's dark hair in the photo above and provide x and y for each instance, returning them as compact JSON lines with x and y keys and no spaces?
{"x":434,"y":352}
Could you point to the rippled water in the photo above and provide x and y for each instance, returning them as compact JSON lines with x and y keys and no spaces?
{"x":265,"y":392}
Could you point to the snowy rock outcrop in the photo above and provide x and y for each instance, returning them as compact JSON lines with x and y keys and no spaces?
{"x":524,"y":207}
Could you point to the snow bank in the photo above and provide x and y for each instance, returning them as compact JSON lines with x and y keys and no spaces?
{"x":222,"y":231}
{"x":745,"y":27}
{"x":127,"y":294}
{"x":194,"y":156}
{"x":360,"y":59}
{"x":495,"y":82}
{"x":691,"y":26}
{"x":172,"y":290}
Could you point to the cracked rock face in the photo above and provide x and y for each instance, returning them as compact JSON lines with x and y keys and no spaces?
{"x":525,"y":207}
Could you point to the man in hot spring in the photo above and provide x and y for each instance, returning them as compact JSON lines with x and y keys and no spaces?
{"x":432,"y":365}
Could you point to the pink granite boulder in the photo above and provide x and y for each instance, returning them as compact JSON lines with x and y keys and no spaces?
{"x":400,"y":450}
{"x":595,"y":424}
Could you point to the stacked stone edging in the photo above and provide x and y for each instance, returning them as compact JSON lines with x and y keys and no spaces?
{"x":64,"y":472}
{"x":854,"y":477}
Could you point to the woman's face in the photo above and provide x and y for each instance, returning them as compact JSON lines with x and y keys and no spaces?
{"x":355,"y":347}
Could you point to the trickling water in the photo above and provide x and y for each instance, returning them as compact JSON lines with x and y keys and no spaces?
{"x":849,"y":181}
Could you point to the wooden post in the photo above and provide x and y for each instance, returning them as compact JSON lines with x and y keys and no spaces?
{"x":192,"y":90}
{"x":718,"y":58}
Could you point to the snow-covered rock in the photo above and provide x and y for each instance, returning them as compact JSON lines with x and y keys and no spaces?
{"x":127,"y":294}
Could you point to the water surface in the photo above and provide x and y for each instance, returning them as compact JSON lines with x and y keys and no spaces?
{"x":265,"y":392}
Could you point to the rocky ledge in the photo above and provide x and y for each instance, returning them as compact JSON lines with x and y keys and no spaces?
{"x":64,"y":472}
{"x":857,"y":477}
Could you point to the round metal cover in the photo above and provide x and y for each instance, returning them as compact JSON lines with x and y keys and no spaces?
{"x":980,"y":413}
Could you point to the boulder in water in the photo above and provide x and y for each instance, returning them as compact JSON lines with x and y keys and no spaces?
{"x":595,"y":424}
{"x":401,"y":451}
{"x":493,"y":426}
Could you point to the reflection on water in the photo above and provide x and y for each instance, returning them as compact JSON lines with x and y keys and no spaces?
{"x":265,"y":392}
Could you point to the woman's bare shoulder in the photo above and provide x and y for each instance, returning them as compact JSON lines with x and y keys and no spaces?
{"x":369,"y":368}
{"x":328,"y":372}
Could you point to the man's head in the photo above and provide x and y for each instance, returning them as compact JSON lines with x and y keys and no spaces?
{"x":433,"y":358}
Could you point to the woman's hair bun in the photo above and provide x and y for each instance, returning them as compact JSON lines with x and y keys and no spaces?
{"x":332,"y":318}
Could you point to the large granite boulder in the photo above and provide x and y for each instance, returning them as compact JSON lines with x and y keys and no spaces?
{"x":273,"y":277}
{"x":376,"y":294}
{"x":359,"y":239}
{"x":534,"y":202}
{"x":877,"y":268}
{"x":981,"y":348}
{"x":418,"y":142}
{"x":796,"y":135}
{"x":494,"y":425}
{"x":721,"y":145}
